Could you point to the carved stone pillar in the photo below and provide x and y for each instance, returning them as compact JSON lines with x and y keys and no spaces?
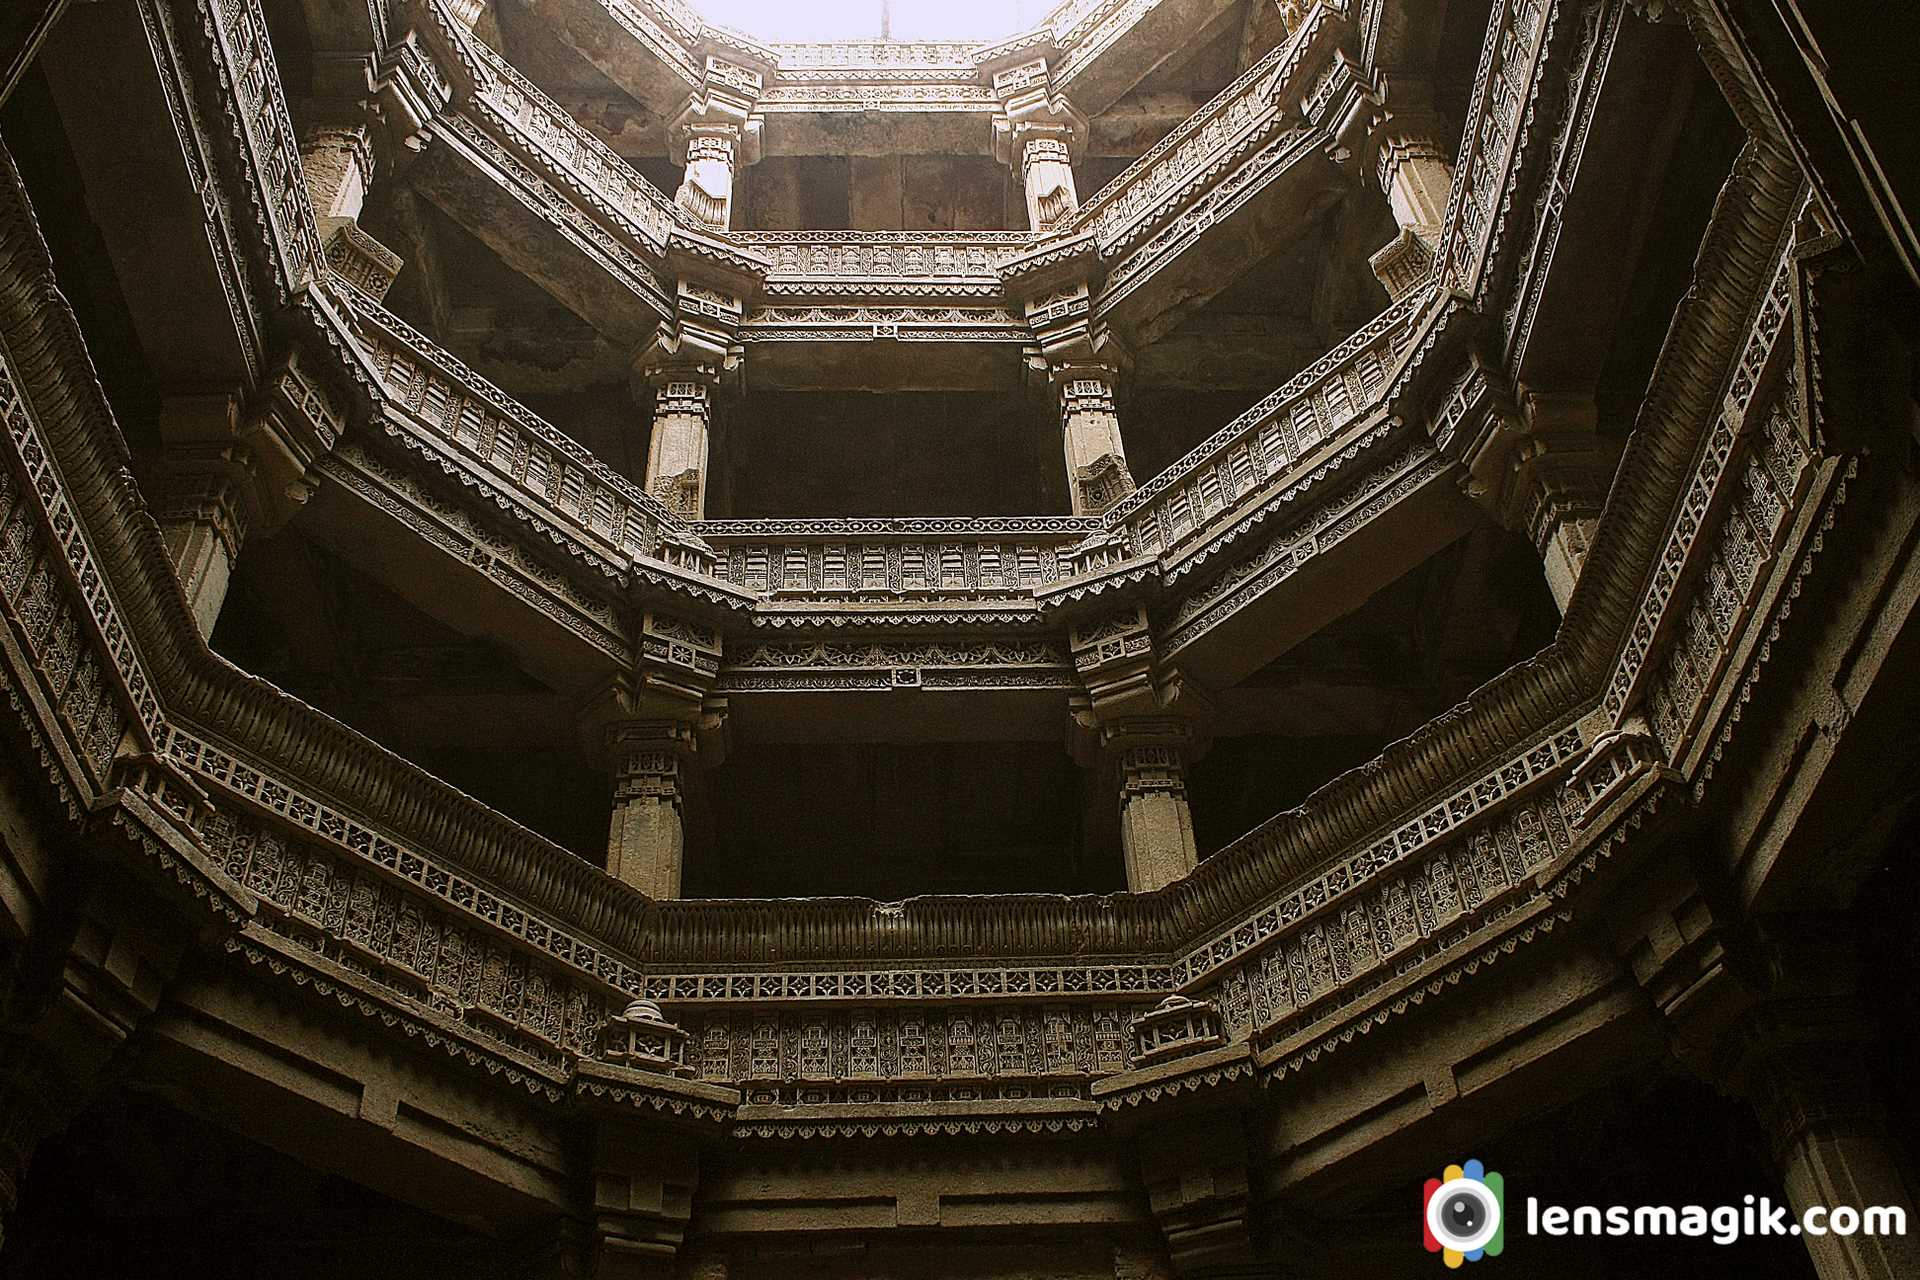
{"x":1770,"y":1013}
{"x":1081,"y":363}
{"x":231,"y":465}
{"x":1414,"y":173}
{"x":1829,"y":1136}
{"x":1039,"y":135}
{"x":202,"y":515}
{"x":1141,"y":726}
{"x":1097,"y":473}
{"x":57,"y":1044}
{"x":337,"y":154}
{"x":677,"y":450}
{"x":647,"y":842}
{"x":1156,"y":824}
{"x":716,"y":135}
{"x":655,"y":729}
{"x":1558,"y":477}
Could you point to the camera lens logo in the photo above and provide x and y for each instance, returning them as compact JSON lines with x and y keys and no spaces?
{"x":1461,"y":1214}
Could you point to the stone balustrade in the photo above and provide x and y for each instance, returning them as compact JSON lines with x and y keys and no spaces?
{"x":1284,"y":429}
{"x":882,"y":560}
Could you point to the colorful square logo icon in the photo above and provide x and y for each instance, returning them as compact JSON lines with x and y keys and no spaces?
{"x":1462,"y":1214}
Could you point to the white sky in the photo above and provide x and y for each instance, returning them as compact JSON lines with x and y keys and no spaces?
{"x":797,"y":21}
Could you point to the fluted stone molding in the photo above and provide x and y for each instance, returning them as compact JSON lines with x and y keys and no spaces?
{"x":716,"y":135}
{"x":1040,"y":135}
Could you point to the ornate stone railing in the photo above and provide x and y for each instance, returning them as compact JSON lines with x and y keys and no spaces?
{"x":1500,"y":118}
{"x":1284,"y":429}
{"x":877,"y":561}
{"x":548,"y":133}
{"x":1232,"y":125}
{"x":870,"y":263}
{"x":475,"y":431}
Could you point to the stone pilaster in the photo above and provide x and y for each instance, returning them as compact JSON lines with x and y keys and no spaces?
{"x":1414,"y":173}
{"x":716,"y":135}
{"x":1039,"y":135}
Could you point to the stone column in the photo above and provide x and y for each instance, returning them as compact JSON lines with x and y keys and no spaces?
{"x":1046,"y":168}
{"x":1415,"y":175}
{"x":646,"y":843}
{"x":1141,"y":724}
{"x":203,"y":496}
{"x":655,"y":729}
{"x":677,"y":449}
{"x":1038,"y":135}
{"x":1828,"y":1133}
{"x":715,"y":135}
{"x":1097,"y":474}
{"x":1558,"y":477}
{"x":1156,"y":824}
{"x":337,"y":155}
{"x":338,"y":160}
{"x":202,"y":517}
{"x":675,"y":376}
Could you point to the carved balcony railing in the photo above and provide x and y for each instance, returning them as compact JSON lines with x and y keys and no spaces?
{"x":475,"y":431}
{"x":884,"y":263}
{"x":893,"y":561}
{"x":549,"y":133}
{"x":1289,"y":426}
{"x":1231,"y":126}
